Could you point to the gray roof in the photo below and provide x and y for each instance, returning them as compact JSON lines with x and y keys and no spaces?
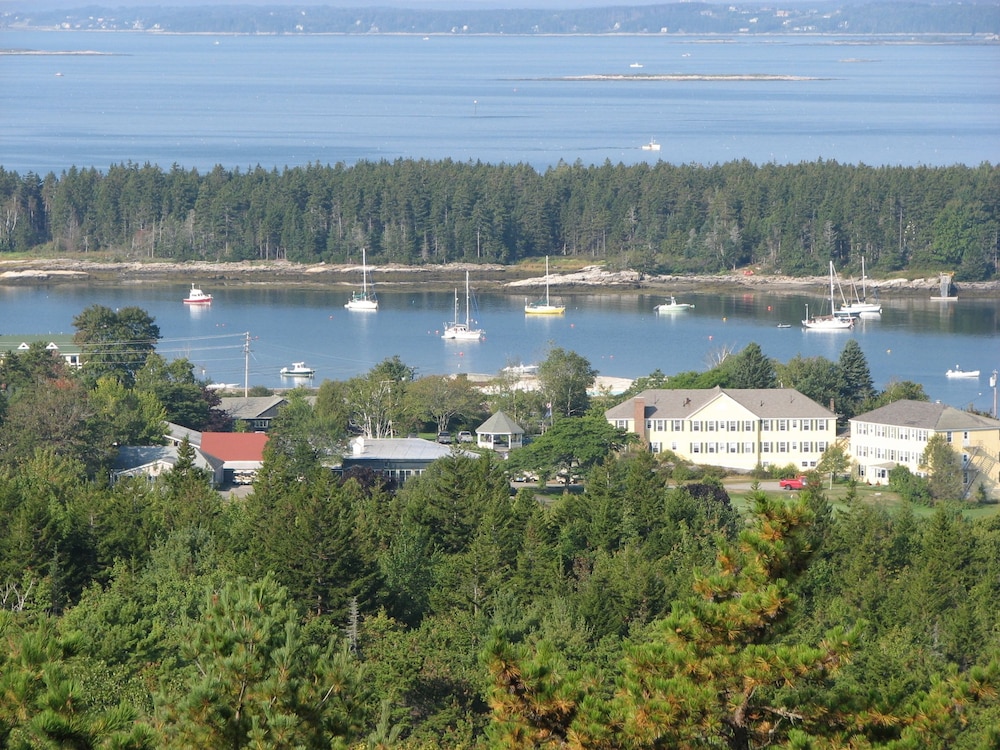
{"x":499,"y":424}
{"x":764,"y":403}
{"x":400,"y":449}
{"x":928,"y":416}
{"x":251,"y":407}
{"x":179,"y":432}
{"x":137,"y":456}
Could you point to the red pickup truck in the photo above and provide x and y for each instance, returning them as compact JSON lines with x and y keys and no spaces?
{"x":795,"y":483}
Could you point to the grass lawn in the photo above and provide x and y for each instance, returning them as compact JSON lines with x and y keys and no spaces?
{"x":880,"y":497}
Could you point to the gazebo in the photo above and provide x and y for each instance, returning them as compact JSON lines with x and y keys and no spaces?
{"x":500,"y":433}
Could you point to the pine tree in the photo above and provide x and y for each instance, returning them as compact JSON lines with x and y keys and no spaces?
{"x":751,"y":369}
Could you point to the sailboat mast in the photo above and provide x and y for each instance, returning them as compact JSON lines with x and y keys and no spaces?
{"x":546,"y":280}
{"x":832,"y":306}
{"x":468,"y":320}
{"x":364,"y":273}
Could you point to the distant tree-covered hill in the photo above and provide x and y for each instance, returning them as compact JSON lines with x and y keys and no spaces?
{"x":674,"y":18}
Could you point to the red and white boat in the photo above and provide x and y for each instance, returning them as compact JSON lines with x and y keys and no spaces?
{"x":197,"y":297}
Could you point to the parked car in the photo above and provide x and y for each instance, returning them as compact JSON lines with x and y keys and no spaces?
{"x":444,"y":437}
{"x":465,"y":436}
{"x":795,"y":483}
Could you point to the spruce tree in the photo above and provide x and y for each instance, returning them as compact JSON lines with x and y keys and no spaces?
{"x":854,"y":380}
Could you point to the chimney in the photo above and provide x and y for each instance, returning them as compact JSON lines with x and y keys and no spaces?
{"x":639,"y":415}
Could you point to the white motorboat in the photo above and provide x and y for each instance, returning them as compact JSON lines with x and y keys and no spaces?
{"x":456,"y":330}
{"x":364,"y":299}
{"x":958,"y":372}
{"x":197,"y":297}
{"x":828,"y":322}
{"x":298,"y":370}
{"x":672,"y":306}
{"x":544,"y":307}
{"x":651,"y":146}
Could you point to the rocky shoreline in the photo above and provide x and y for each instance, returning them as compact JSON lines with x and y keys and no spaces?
{"x":488,"y":276}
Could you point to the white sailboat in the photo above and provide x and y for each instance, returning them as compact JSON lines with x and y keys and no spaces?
{"x":544,"y":307}
{"x":828,"y":322}
{"x":365,"y":299}
{"x":457,"y":330}
{"x":860,"y":305}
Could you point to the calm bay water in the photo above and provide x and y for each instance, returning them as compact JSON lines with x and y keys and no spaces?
{"x":199,"y":101}
{"x":916,"y":338}
{"x":239,"y":101}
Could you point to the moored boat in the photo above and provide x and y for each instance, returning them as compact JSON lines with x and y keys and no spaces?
{"x":830,"y":322}
{"x":860,"y":304}
{"x":545,"y":306}
{"x":457,"y":330}
{"x":197,"y":297}
{"x":298,"y":370}
{"x":364,"y":300}
{"x":958,"y":372}
{"x":672,"y":306}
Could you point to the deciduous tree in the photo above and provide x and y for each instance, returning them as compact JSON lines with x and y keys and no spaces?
{"x":115,"y":342}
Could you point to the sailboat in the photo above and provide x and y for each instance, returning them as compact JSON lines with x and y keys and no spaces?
{"x":544,"y":307}
{"x":365,"y":299}
{"x":457,"y":330}
{"x":828,"y":322}
{"x":860,"y":305}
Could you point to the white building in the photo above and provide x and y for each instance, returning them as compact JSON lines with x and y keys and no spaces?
{"x":897,"y":434}
{"x":736,"y":428}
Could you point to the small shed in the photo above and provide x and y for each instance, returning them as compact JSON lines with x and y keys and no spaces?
{"x":500,"y":433}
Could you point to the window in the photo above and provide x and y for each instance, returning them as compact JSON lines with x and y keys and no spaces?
{"x":677,"y":425}
{"x":622,"y":424}
{"x":734,"y":426}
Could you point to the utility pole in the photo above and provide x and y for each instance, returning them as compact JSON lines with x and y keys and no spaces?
{"x":246,"y":366}
{"x":993,"y":385}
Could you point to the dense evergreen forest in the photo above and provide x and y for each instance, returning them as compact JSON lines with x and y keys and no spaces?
{"x":654,"y":218}
{"x":977,"y":18}
{"x":329,"y":610}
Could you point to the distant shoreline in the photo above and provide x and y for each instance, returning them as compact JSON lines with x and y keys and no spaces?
{"x":511,"y":279}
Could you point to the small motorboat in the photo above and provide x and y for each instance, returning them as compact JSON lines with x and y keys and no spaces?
{"x":784,"y":325}
{"x":672,"y":306}
{"x":958,"y":372}
{"x":298,"y":370}
{"x":197,"y":297}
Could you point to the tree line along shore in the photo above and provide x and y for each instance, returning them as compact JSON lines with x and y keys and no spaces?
{"x":651,"y":221}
